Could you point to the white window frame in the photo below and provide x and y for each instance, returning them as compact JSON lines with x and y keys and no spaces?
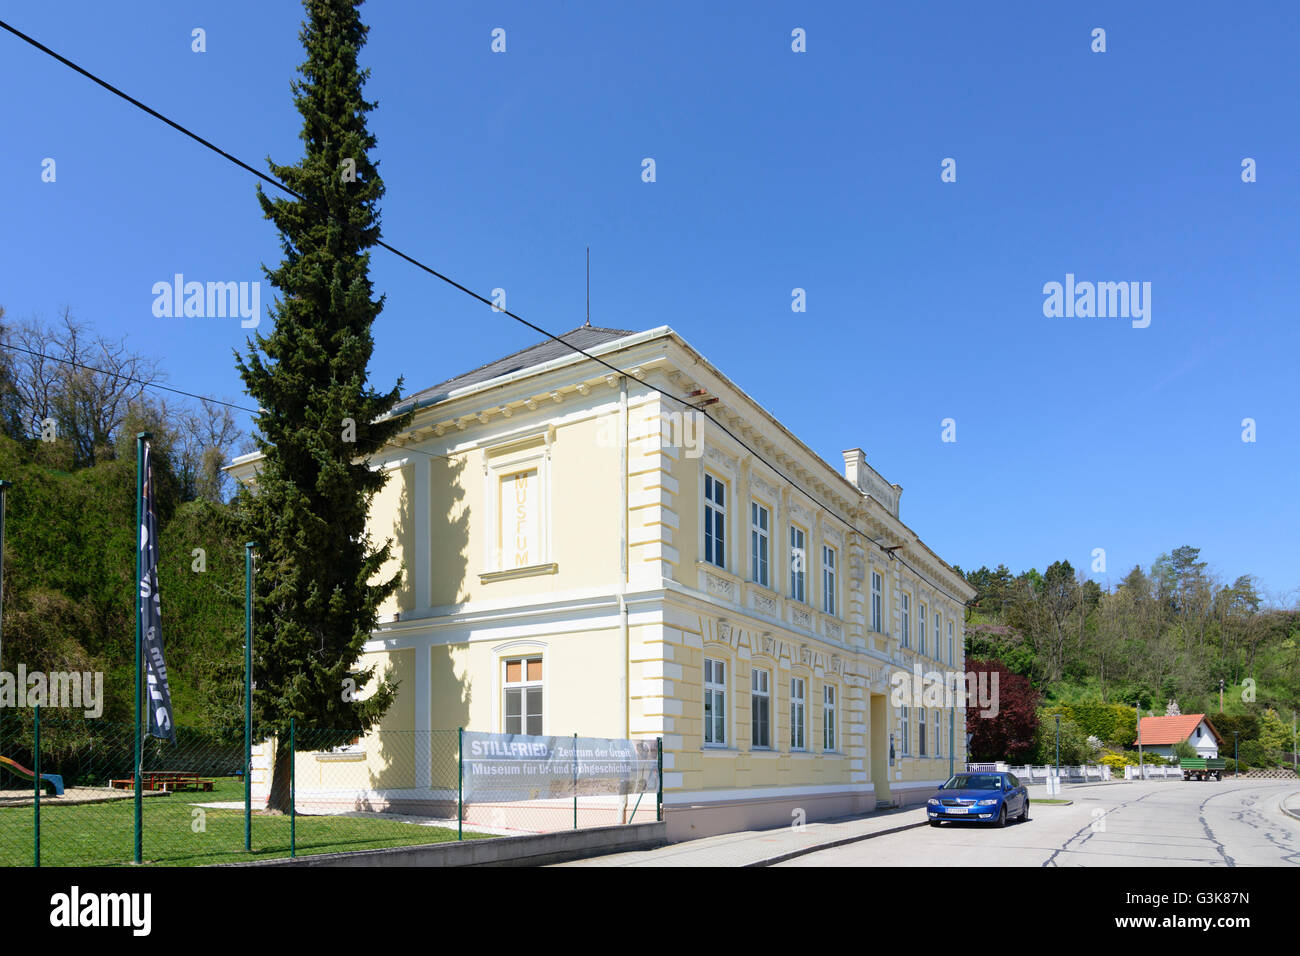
{"x":760,"y":697}
{"x":877,"y":602}
{"x":829,"y":728}
{"x":938,"y":635}
{"x":950,"y":645}
{"x":715,"y":694}
{"x":760,"y":544}
{"x":828,"y":579}
{"x":523,"y":686}
{"x":798,"y":564}
{"x":938,"y":735}
{"x":905,"y":732}
{"x":505,"y":460}
{"x":920,"y":730}
{"x":923,"y":618}
{"x":798,"y":714}
{"x":715,"y":520}
{"x":907,"y":619}
{"x":355,"y":747}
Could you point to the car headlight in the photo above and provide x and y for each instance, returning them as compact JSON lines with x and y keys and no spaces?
{"x":933,"y":802}
{"x":988,"y":803}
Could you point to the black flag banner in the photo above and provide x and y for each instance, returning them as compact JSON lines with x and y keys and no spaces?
{"x":160,"y":696}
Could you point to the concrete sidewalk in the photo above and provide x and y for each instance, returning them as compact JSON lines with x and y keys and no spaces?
{"x":766,"y":847}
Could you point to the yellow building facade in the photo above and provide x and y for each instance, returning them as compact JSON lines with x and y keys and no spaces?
{"x":584,"y":554}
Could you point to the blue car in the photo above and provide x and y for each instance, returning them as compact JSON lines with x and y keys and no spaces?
{"x":981,"y":797}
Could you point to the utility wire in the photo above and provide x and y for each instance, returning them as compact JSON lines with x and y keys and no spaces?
{"x":146,"y":383}
{"x":271,"y":180}
{"x":180,"y":391}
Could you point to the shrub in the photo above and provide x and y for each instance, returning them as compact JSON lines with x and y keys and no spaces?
{"x":1075,"y":748}
{"x":1184,"y":751}
{"x":1110,"y":723}
{"x":1247,"y":725}
{"x":1255,"y":754}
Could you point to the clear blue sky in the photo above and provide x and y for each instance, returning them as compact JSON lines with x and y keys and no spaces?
{"x":775,"y":170}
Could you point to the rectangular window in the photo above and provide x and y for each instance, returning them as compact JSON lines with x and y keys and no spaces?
{"x":796,"y":713}
{"x":828,"y":717}
{"x":761,"y":705}
{"x":937,"y":644}
{"x":520,"y":544}
{"x":938,"y":735}
{"x":798,"y":563}
{"x":950,"y":644}
{"x":907,"y":620}
{"x":523,"y":696}
{"x":921,"y":620}
{"x":828,"y":580}
{"x":877,"y":603}
{"x":715,"y":700}
{"x":516,"y":509}
{"x":905,"y":732}
{"x":715,"y":521}
{"x":758,"y":545}
{"x":920,"y":727}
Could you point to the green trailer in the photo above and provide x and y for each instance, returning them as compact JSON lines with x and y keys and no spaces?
{"x":1202,"y":768}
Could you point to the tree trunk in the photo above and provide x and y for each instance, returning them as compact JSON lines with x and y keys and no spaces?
{"x":280,"y":773}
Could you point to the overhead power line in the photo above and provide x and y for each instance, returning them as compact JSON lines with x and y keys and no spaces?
{"x":271,"y":180}
{"x":145,"y":383}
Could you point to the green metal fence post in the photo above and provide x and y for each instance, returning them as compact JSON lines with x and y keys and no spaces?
{"x":575,"y":780}
{"x":460,"y":783}
{"x":248,"y":696}
{"x":293,"y":790}
{"x":659,"y":792}
{"x":36,"y":759}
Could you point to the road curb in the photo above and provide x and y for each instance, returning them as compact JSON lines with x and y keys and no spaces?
{"x":1287,"y":811}
{"x":831,"y":844}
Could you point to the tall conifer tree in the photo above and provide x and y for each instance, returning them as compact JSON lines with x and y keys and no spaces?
{"x":317,"y":594}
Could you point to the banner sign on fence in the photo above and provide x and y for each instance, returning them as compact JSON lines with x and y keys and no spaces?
{"x":160,"y":695}
{"x":520,"y":767}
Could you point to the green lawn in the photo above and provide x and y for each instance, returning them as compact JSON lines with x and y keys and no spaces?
{"x":102,"y":834}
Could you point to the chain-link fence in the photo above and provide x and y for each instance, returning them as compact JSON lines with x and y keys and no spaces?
{"x":69,"y":796}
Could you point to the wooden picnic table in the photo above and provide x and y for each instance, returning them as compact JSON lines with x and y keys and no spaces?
{"x":169,"y":780}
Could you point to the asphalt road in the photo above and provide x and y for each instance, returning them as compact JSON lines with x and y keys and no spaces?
{"x":1155,"y":823}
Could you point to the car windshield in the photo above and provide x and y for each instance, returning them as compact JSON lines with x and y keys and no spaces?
{"x":974,"y":781}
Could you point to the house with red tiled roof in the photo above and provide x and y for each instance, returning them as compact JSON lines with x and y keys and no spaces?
{"x":1160,"y":734}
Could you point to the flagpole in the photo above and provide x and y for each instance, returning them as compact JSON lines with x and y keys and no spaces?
{"x":248,"y":695}
{"x":4,"y":487}
{"x":140,"y":439}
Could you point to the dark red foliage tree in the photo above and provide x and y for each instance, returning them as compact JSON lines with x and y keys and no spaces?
{"x":1003,"y":720}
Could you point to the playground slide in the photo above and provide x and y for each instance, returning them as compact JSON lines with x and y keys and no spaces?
{"x":51,"y":780}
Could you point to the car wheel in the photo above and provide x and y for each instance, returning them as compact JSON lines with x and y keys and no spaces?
{"x":1002,"y":816}
{"x":1024,"y":814}
{"x":934,"y":823}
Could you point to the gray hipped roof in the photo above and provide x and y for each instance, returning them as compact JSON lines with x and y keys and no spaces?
{"x":584,"y":337}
